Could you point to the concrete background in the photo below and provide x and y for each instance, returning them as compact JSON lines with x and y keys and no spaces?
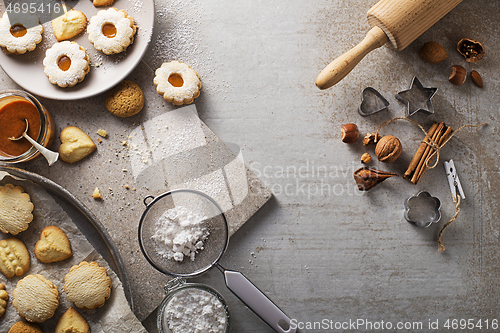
{"x":319,"y":249}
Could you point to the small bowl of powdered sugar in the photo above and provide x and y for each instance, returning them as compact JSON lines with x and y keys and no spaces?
{"x":192,"y":308}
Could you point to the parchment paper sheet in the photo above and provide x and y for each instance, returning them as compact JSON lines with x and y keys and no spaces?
{"x":114,"y":316}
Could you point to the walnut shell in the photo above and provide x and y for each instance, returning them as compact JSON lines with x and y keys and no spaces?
{"x":388,"y":149}
{"x":472,"y":50}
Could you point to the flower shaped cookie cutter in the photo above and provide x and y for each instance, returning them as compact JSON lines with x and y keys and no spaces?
{"x":422,"y":209}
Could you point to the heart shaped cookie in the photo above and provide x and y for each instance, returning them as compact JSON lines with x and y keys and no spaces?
{"x":53,"y":245}
{"x":75,"y":144}
{"x":68,"y":25}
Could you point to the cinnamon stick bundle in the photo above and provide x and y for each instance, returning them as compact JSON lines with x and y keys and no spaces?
{"x":438,"y":133}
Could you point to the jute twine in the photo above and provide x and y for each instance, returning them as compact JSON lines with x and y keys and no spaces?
{"x":457,"y":210}
{"x":435,"y":147}
{"x":436,"y":150}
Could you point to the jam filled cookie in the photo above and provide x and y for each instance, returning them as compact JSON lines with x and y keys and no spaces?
{"x":177,"y":83}
{"x":15,"y":38}
{"x":111,"y":31}
{"x":66,"y":64}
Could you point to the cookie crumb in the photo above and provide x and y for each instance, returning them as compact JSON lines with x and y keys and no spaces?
{"x":97,"y":194}
{"x":102,"y":133}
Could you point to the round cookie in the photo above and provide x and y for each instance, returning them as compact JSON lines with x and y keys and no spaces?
{"x":66,"y":63}
{"x":177,"y":82}
{"x":16,"y":209}
{"x":87,"y":285}
{"x":111,"y":31}
{"x":35,"y":298}
{"x":25,"y":327}
{"x":15,"y":38}
{"x":125,"y":100}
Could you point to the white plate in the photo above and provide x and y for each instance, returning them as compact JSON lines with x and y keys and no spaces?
{"x":106,"y":71}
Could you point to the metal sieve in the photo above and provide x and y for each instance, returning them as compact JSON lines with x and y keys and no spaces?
{"x":214,"y":247}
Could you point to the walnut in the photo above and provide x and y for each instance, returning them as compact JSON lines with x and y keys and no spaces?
{"x":371,"y":138}
{"x":388,"y":149}
{"x":366,"y":158}
{"x":472,"y":50}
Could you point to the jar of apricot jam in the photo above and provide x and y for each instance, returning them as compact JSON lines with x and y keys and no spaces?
{"x":15,"y":107}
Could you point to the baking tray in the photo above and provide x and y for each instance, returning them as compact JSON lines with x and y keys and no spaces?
{"x":93,"y":230}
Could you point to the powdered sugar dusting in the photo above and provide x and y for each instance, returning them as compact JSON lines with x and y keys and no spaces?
{"x":181,"y":233}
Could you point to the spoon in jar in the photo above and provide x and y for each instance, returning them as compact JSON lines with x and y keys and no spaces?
{"x":49,"y":155}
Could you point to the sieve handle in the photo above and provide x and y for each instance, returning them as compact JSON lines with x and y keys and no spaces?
{"x":258,"y":302}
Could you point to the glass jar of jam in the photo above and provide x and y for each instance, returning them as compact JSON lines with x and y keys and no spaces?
{"x":15,"y":107}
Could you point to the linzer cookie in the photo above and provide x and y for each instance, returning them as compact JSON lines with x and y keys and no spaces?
{"x":177,"y":82}
{"x":15,"y":37}
{"x":66,"y":64}
{"x":111,"y":31}
{"x":14,"y":257}
{"x":15,"y":209}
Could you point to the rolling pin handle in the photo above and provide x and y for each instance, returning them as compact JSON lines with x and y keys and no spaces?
{"x":341,"y":66}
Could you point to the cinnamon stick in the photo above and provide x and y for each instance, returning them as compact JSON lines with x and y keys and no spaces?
{"x":426,"y":153}
{"x":440,"y":141}
{"x":418,"y":155}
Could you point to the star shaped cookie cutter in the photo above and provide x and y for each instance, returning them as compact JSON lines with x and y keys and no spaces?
{"x":417,"y":98}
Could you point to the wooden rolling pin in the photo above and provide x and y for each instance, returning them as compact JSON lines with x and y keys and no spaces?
{"x":395,"y":23}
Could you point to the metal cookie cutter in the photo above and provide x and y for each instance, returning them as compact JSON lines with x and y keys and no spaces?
{"x":453,"y":180}
{"x":422,"y":209}
{"x":417,"y":98}
{"x":372,"y":102}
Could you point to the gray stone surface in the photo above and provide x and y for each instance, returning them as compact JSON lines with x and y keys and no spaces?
{"x":319,"y":249}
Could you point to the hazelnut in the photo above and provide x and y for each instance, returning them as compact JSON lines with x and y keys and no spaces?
{"x":433,"y":52}
{"x":388,"y":149}
{"x":476,"y":78}
{"x":350,"y":133}
{"x":457,"y":75}
{"x":366,"y":158}
{"x":371,"y":138}
{"x":472,"y":50}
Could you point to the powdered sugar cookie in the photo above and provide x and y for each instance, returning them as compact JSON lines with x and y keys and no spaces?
{"x":15,"y":209}
{"x":111,"y":31}
{"x":177,"y":83}
{"x":66,"y":64}
{"x":15,"y":38}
